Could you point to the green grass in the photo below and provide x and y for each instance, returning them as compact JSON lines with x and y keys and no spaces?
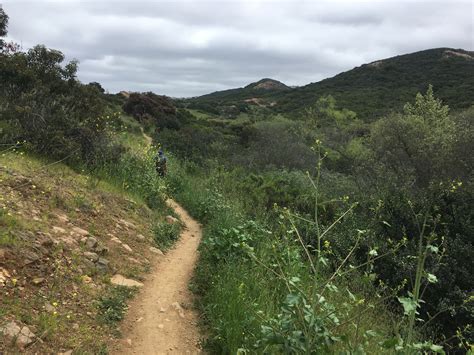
{"x":48,"y":324}
{"x":165,"y":234}
{"x":199,"y":114}
{"x":112,"y":306}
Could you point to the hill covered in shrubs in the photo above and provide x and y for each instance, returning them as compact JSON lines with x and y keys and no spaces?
{"x":371,"y":89}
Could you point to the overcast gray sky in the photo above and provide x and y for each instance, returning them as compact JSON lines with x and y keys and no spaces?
{"x":187,"y":48}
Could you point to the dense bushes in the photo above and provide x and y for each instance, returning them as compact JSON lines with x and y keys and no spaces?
{"x":152,"y":110}
{"x":47,"y":110}
{"x":370,"y":90}
{"x":43,"y":106}
{"x":267,"y":297}
{"x":408,"y":172}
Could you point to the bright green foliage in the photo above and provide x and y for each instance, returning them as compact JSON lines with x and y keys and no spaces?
{"x":165,"y":234}
{"x":406,"y":170}
{"x":427,"y":107}
{"x":423,"y":180}
{"x":112,"y":306}
{"x":265,"y":297}
{"x":135,"y":172}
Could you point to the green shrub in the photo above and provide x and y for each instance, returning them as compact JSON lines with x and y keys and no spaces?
{"x":152,"y":110}
{"x":113,"y":305}
{"x":135,"y":172}
{"x":165,"y":234}
{"x":42,"y":103}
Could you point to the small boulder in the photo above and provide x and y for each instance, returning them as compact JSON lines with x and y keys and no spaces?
{"x":102,"y":265}
{"x":23,"y":336}
{"x":89,"y":264}
{"x":171,"y":220}
{"x":91,"y":256}
{"x":10,"y":330}
{"x":68,"y":241}
{"x":62,"y":217}
{"x":141,"y":237}
{"x":38,"y":280}
{"x":91,"y":242}
{"x":30,"y":257}
{"x":101,"y":249}
{"x":79,"y":231}
{"x":122,"y":281}
{"x":127,"y":247}
{"x":44,"y":239}
{"x":116,"y":240}
{"x":127,"y":223}
{"x":156,"y":251}
{"x":58,"y":230}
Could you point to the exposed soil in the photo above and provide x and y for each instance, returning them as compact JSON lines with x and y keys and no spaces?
{"x":148,"y":139}
{"x":50,"y":277}
{"x":161,"y":319}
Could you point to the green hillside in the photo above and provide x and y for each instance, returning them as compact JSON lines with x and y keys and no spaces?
{"x":342,"y":232}
{"x":241,"y":98}
{"x":372,"y":89}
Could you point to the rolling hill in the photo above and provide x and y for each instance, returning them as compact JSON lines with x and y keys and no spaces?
{"x":370,"y":90}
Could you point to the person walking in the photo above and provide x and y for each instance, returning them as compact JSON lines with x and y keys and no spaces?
{"x":161,"y":162}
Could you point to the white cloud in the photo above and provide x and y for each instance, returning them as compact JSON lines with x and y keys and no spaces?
{"x":185,"y":48}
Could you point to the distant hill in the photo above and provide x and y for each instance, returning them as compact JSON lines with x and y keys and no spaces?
{"x":371,"y":89}
{"x":260,"y":88}
{"x":251,"y":94}
{"x":268,"y":85}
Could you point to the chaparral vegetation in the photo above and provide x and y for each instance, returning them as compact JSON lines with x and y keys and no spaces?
{"x":337,"y":216}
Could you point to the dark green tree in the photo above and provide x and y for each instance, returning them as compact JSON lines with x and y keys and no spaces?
{"x":3,"y":26}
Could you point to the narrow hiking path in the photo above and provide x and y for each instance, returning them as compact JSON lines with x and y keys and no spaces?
{"x":161,"y":319}
{"x":148,"y":139}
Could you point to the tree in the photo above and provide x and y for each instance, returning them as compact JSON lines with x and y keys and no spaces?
{"x":97,"y":86}
{"x":421,"y":173}
{"x":42,"y":103}
{"x":417,"y":145}
{"x":3,"y":23}
{"x":336,"y":128}
{"x":3,"y":26}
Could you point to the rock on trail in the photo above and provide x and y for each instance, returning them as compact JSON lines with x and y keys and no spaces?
{"x":159,"y":320}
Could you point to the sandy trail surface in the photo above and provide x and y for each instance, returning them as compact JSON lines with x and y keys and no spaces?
{"x":161,"y":319}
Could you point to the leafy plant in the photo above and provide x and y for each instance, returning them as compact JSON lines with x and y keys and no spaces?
{"x":113,"y":305}
{"x":165,"y":234}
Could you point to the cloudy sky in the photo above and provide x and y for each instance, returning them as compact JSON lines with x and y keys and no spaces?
{"x":187,"y":48}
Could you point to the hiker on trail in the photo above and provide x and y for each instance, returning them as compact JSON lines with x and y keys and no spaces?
{"x":160,"y":162}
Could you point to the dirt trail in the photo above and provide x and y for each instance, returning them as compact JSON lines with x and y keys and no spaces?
{"x":148,"y":139}
{"x":161,"y":319}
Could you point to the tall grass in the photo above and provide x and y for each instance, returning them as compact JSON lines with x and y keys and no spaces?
{"x":136,"y":174}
